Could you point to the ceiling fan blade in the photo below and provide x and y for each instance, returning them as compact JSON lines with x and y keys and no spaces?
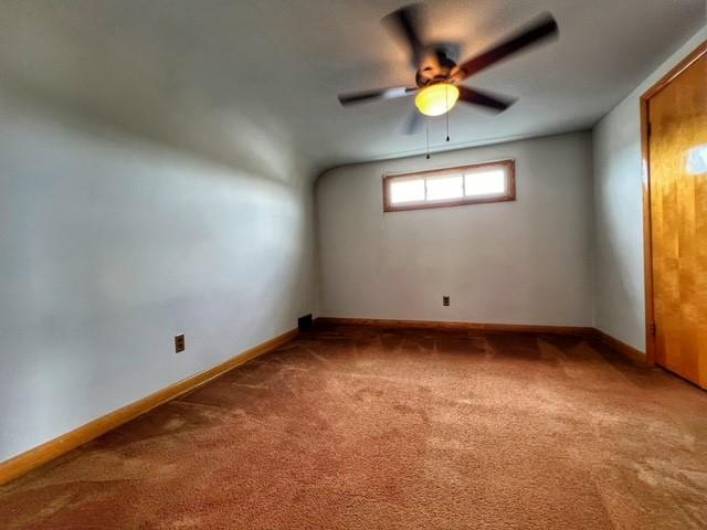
{"x":406,"y":25}
{"x":413,"y":124}
{"x":492,"y":102}
{"x":371,"y":95}
{"x":537,"y":31}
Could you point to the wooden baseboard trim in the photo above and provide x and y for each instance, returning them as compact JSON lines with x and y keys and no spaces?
{"x":42,"y":454}
{"x":461,"y":326}
{"x":633,"y":354}
{"x":615,"y":344}
{"x":36,"y":457}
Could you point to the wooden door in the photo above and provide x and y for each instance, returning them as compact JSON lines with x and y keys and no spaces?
{"x":677,"y":156}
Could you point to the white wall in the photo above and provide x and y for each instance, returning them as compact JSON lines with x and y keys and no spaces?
{"x":618,"y":211}
{"x":524,"y":262}
{"x":109,"y":246}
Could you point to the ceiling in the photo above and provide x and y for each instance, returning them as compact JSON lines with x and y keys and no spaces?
{"x":219,"y":77}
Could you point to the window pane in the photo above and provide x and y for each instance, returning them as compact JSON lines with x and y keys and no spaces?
{"x":439,"y":188}
{"x":490,"y":182}
{"x":454,"y":186}
{"x":407,"y":191}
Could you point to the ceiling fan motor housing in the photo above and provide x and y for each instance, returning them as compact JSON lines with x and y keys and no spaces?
{"x":436,"y":67}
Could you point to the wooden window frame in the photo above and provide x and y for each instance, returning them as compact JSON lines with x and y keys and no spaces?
{"x":510,"y":195}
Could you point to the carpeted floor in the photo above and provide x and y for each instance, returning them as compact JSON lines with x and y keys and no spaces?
{"x":365,"y":428}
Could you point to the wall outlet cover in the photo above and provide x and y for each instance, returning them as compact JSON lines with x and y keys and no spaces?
{"x":179,"y":343}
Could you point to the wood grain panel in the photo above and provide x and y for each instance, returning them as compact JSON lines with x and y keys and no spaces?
{"x":677,"y":133}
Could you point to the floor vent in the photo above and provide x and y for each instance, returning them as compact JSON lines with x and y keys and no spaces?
{"x":304,"y":323}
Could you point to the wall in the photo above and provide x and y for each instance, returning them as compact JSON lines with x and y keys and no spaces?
{"x":618,"y":211}
{"x":522,"y":262}
{"x":110,"y":245}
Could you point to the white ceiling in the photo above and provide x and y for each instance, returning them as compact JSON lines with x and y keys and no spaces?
{"x":214,"y":76}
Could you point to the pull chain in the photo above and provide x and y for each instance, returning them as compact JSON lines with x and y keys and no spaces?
{"x":427,"y":138}
{"x":446,"y":97}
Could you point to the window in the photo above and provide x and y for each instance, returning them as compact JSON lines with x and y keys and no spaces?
{"x":489,"y":182}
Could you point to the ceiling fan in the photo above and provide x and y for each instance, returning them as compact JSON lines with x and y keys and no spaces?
{"x":438,"y":77}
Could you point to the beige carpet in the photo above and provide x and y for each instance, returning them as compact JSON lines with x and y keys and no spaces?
{"x":364,"y":428}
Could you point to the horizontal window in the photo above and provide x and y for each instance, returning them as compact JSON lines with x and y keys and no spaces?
{"x":478,"y":183}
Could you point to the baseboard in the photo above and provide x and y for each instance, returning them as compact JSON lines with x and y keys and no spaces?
{"x":615,"y":344}
{"x":29,"y":460}
{"x":462,"y":326}
{"x":42,"y":454}
{"x":633,"y":354}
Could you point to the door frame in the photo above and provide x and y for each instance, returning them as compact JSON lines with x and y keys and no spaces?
{"x":664,"y":81}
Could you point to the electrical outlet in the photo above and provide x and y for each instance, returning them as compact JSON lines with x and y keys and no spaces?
{"x":179,"y":344}
{"x":445,"y":301}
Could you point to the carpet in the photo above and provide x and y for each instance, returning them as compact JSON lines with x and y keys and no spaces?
{"x":352,"y":427}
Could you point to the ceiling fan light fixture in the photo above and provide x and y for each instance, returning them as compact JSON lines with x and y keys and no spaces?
{"x":437,"y":99}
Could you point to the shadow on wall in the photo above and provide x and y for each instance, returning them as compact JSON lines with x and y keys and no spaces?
{"x":228,"y":138}
{"x":155,"y":75}
{"x":137,"y":201}
{"x":111,"y":244}
{"x":619,"y":305}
